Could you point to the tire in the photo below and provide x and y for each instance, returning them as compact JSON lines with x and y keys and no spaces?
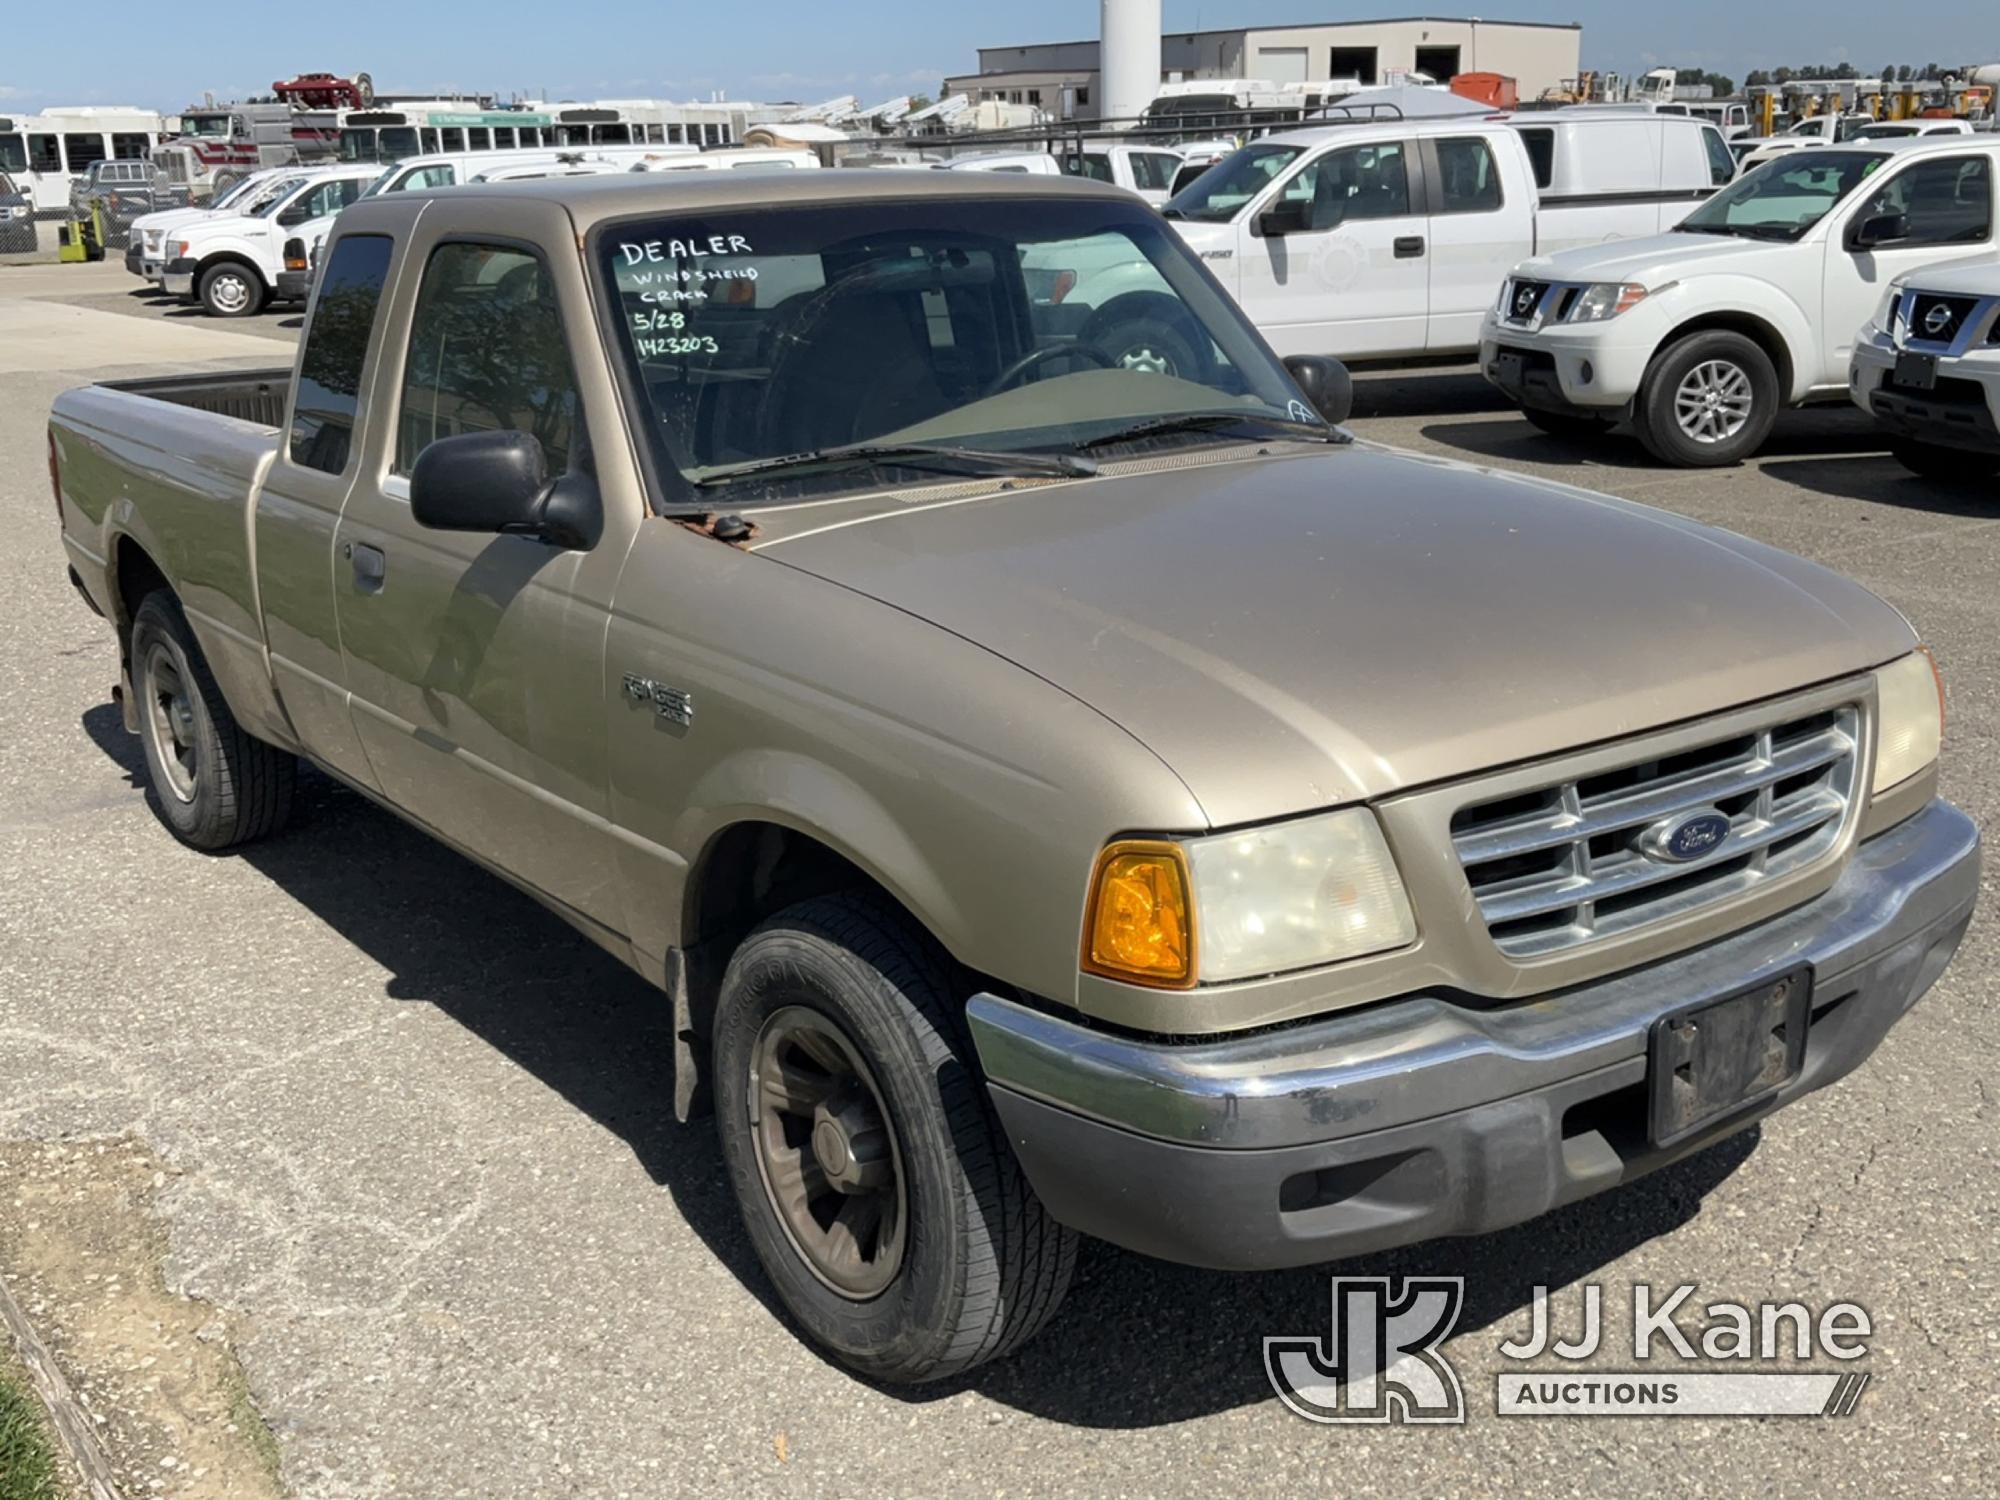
{"x":230,"y":289}
{"x":1946,"y":465}
{"x":967,"y":1265}
{"x":1149,"y":344}
{"x":1568,"y":426}
{"x":1734,"y":425}
{"x":214,"y":786}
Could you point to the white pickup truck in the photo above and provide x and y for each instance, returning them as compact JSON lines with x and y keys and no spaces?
{"x":231,"y":263}
{"x":1388,"y":238}
{"x":1927,"y":368}
{"x":145,"y":249}
{"x":1700,"y":336}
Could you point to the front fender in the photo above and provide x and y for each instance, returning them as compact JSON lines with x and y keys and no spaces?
{"x":1743,"y":297}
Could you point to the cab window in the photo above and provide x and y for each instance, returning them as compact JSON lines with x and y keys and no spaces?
{"x":1154,"y":171}
{"x":1541,"y":143}
{"x":1942,"y":201}
{"x":1355,"y":182}
{"x":486,"y":354}
{"x":336,"y":349}
{"x":1468,"y":177}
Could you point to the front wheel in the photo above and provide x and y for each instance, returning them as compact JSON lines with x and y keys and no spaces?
{"x":1946,"y":465}
{"x":214,"y":785}
{"x":1150,"y":346}
{"x":231,"y":290}
{"x":1709,"y":400}
{"x":875,"y":1181}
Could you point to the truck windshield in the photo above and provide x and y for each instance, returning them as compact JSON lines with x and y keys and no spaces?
{"x":274,"y":192}
{"x":1784,"y":198}
{"x":208,"y":127}
{"x":760,"y":341}
{"x":1220,"y":193}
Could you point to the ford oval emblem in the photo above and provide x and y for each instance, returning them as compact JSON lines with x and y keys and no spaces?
{"x":1688,"y":836}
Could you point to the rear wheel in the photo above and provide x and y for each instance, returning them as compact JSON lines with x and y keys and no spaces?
{"x":214,"y":785}
{"x":1569,"y":426}
{"x":1947,"y":465}
{"x":231,"y":290}
{"x":1709,"y":400}
{"x":875,"y":1181}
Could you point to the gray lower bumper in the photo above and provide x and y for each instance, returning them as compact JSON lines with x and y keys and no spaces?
{"x":1421,"y":1117}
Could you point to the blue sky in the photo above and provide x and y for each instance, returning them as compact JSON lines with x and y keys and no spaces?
{"x":810,"y":49}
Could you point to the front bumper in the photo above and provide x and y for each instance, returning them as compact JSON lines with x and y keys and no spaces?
{"x":1961,"y":411}
{"x":293,"y":286}
{"x":135,"y":259}
{"x":1423,"y":1117}
{"x":178,"y":277}
{"x":1591,"y":369}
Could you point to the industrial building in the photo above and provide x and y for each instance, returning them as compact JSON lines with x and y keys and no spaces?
{"x":1064,"y":78}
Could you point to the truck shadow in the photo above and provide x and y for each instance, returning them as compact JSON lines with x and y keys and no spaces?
{"x":1512,"y":438}
{"x":1138,"y":1344}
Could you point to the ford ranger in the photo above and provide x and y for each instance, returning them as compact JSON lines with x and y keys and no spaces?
{"x":1056,"y":798}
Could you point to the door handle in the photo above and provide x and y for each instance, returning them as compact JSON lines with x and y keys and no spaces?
{"x":371,"y":567}
{"x":1409,"y":246}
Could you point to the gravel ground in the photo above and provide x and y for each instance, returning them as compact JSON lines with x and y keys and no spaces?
{"x":421,"y":1144}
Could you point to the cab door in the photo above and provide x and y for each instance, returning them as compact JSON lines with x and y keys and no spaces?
{"x":1334,"y":260}
{"x":1937,"y":207}
{"x":475,"y":662}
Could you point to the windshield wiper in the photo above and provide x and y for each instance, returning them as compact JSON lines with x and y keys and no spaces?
{"x":1742,"y":231}
{"x":913,"y":456}
{"x":1211,"y":421}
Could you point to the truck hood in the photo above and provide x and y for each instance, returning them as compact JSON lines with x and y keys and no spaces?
{"x":1656,"y":259}
{"x":1290,"y":633}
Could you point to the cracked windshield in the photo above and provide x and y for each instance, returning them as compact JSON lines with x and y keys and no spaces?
{"x":797,"y":346}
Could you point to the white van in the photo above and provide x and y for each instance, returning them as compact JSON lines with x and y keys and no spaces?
{"x":736,"y":159}
{"x":1146,"y":170}
{"x":450,"y":168}
{"x":1602,"y":176}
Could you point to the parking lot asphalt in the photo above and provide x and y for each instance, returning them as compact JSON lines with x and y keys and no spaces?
{"x":425,"y":1158}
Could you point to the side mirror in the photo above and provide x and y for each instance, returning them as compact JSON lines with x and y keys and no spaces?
{"x":499,"y":482}
{"x":1282,"y":219}
{"x":1883,"y":229}
{"x":1326,"y":384}
{"x":293,"y":214}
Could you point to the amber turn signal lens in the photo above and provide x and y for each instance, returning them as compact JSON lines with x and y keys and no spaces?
{"x":1140,"y":924}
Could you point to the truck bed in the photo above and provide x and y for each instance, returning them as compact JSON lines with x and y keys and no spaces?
{"x":248,"y":395}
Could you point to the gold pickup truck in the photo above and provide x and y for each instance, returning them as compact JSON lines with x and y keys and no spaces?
{"x":1060,"y":790}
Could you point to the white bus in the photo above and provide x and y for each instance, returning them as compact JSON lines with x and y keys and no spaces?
{"x":45,"y":153}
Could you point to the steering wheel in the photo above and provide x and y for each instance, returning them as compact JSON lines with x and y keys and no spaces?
{"x":1036,"y":357}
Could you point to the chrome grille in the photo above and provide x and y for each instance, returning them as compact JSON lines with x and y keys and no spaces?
{"x":1567,"y":864}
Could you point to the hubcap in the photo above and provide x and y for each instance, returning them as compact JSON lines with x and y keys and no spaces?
{"x":1146,"y":359}
{"x":229,"y":293}
{"x":826,"y":1152}
{"x":1714,"y":401}
{"x":169,"y":721}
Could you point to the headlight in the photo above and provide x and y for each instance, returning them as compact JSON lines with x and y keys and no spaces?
{"x":1909,"y":712}
{"x":1267,"y":900}
{"x":1885,"y":315}
{"x":1606,"y":299}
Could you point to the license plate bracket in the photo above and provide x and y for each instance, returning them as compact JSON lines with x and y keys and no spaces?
{"x":1508,"y":368}
{"x":1917,"y":372}
{"x":1723,"y":1056}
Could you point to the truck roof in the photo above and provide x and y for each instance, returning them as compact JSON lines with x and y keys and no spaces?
{"x":591,"y":200}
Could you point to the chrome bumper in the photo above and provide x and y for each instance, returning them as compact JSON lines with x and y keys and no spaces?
{"x":1422,"y":1116}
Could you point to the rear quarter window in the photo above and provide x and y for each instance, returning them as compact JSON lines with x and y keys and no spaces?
{"x":336,"y":352}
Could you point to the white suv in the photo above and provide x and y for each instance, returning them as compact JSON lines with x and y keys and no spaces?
{"x":1928,"y":369}
{"x":1700,"y":336}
